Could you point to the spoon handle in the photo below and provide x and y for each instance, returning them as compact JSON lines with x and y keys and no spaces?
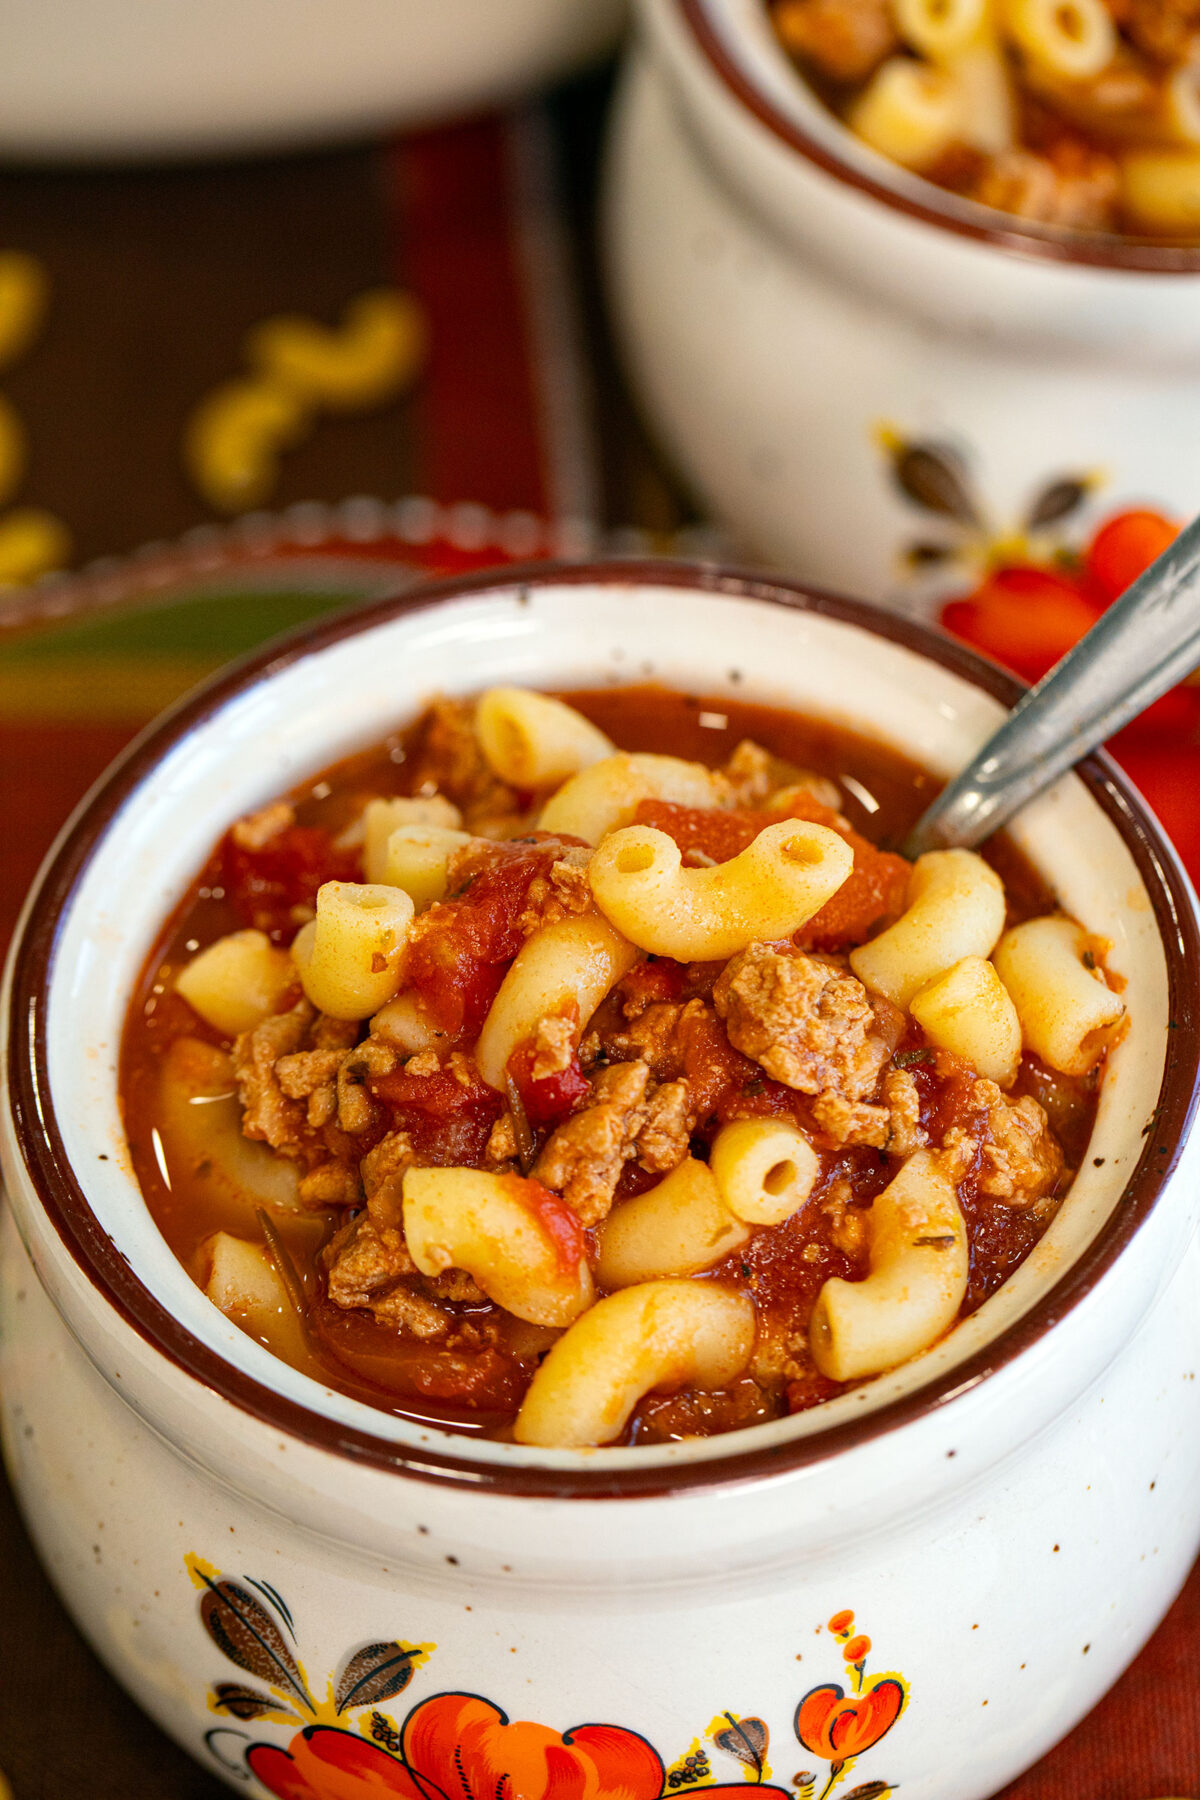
{"x":1142,"y":645}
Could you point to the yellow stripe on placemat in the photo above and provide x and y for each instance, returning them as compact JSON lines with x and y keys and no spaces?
{"x":98,"y":689}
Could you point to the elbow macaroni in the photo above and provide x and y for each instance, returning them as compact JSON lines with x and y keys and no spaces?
{"x":200,"y":1133}
{"x":955,"y":908}
{"x":1161,"y":189}
{"x":237,"y":982}
{"x":1072,"y":39}
{"x":348,"y":957}
{"x":772,"y":888}
{"x":677,"y":1228}
{"x":417,"y":859}
{"x":532,"y":740}
{"x":607,"y":795}
{"x":381,"y":817}
{"x":661,"y":1334}
{"x":968,"y":1010}
{"x":910,"y":112}
{"x":988,"y":112}
{"x":765,"y":1169}
{"x":566,"y":967}
{"x":919,"y":1263}
{"x":405,"y":1024}
{"x":522,"y":1244}
{"x":1181,"y":103}
{"x":242,"y":1278}
{"x":940,"y":29}
{"x":1069,"y":1015}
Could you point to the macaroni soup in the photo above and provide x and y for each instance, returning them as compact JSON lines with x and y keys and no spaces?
{"x":584,"y":1071}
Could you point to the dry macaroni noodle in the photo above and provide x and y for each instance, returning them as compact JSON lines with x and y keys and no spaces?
{"x":471,"y":1219}
{"x":24,"y":292}
{"x":235,"y":437}
{"x":968,"y":1010}
{"x":366,"y":361}
{"x":348,"y":957}
{"x":765,"y":1169}
{"x":768,"y":891}
{"x":955,"y":908}
{"x":606,"y":796}
{"x":533,"y":740}
{"x":565,"y":967}
{"x":237,"y":982}
{"x":919,"y":1262}
{"x":677,"y":1228}
{"x":661,"y":1334}
{"x":1068,"y":1012}
{"x":32,"y":543}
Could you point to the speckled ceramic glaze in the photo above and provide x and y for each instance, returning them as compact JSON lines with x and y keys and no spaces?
{"x":794,"y":308}
{"x":120,"y":78}
{"x":922,"y":1584}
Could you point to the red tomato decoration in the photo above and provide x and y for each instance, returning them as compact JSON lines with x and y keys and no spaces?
{"x":1168,"y":775}
{"x":1124,"y":547}
{"x":1026,"y":618}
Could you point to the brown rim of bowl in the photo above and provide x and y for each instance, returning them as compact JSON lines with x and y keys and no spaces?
{"x":67,"y":1206}
{"x":1144,"y":255}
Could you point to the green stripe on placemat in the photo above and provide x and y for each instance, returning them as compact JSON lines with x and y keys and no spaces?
{"x":126,"y":665}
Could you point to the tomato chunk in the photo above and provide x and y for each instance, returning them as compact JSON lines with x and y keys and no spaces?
{"x":448,"y":1119}
{"x":547,"y":1097}
{"x":460,"y":949}
{"x":264,"y":886}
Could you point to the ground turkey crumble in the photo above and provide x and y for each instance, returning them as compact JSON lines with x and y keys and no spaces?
{"x":807,"y":1022}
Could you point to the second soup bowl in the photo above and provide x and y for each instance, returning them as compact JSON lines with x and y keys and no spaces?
{"x":804,"y":320}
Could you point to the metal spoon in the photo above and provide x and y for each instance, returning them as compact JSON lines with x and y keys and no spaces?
{"x":1145,"y":643}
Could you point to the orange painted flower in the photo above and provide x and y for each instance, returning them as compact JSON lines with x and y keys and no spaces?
{"x":461,"y":1747}
{"x":323,"y":1763}
{"x":837,"y":1726}
{"x":458,"y":1744}
{"x":841,"y":1621}
{"x":857,"y":1649}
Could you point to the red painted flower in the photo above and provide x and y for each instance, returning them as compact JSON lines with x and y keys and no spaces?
{"x":460,"y":1747}
{"x":837,"y":1726}
{"x":324,"y":1763}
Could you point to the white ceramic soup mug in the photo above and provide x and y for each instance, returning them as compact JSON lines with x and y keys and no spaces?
{"x":803,"y":320}
{"x":921,"y":1583}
